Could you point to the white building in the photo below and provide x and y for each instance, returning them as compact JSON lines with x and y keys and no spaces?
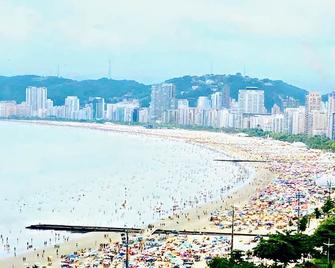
{"x":86,"y":113}
{"x":224,"y":118}
{"x":57,"y":112}
{"x":163,"y":98}
{"x":313,"y":103}
{"x":331,"y":112}
{"x":143,"y":115}
{"x":170,"y":116}
{"x":22,"y":110}
{"x":298,"y":121}
{"x":200,"y":117}
{"x":72,"y":106}
{"x":278,"y":122}
{"x":212,"y":118}
{"x":251,"y":101}
{"x":7,"y":109}
{"x":203,"y":103}
{"x":183,"y":116}
{"x":36,"y":98}
{"x":122,"y":111}
{"x":319,"y":121}
{"x":295,"y":120}
{"x":217,"y":100}
{"x":264,"y":122}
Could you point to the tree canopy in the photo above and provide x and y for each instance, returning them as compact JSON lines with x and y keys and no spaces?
{"x":284,"y":247}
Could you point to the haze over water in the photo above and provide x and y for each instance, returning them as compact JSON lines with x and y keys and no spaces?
{"x":81,"y":176}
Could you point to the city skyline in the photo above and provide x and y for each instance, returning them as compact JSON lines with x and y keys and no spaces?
{"x":173,"y":39}
{"x":217,"y":110}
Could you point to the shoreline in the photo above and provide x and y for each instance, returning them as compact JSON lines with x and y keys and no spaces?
{"x":262,"y":177}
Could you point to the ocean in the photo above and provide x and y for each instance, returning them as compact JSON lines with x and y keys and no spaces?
{"x":65,"y":175}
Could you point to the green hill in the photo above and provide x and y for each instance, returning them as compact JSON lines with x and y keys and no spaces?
{"x":274,"y":90}
{"x":14,"y":88}
{"x":190,"y":87}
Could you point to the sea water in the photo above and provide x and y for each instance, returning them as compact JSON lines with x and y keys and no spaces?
{"x":66,"y":175}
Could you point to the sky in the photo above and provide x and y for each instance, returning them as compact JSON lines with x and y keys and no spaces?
{"x":153,"y":40}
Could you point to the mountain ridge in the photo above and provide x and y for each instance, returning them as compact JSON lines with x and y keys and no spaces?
{"x":190,"y":87}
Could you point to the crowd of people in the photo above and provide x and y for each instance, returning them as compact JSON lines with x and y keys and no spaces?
{"x":275,"y":204}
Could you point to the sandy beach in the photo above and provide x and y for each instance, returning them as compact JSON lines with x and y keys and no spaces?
{"x":285,"y":158}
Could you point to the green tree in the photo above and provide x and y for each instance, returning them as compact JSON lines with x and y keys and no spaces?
{"x":325,"y":231}
{"x":284,"y":247}
{"x":229,"y":263}
{"x":328,"y":206}
{"x":303,"y":223}
{"x":275,"y":249}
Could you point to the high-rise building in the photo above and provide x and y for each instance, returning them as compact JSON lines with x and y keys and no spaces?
{"x":200,"y":117}
{"x":223,"y":118}
{"x":170,"y":116}
{"x":72,"y":107}
{"x":135,"y":115}
{"x":213,"y":118}
{"x":217,"y":100}
{"x":143,"y":115}
{"x":98,"y":107}
{"x":313,"y":103}
{"x":182,"y":116}
{"x":36,"y":98}
{"x":111,"y":109}
{"x":235,"y":117}
{"x":251,"y":101}
{"x":124,"y":111}
{"x":333,"y":127}
{"x":295,"y":120}
{"x":203,"y":103}
{"x":226,"y":97}
{"x":278,"y":123}
{"x":86,"y":113}
{"x":331,"y":112}
{"x":319,"y":122}
{"x":163,"y":98}
{"x":50,"y":105}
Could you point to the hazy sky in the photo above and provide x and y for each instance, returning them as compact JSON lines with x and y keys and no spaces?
{"x":153,"y":40}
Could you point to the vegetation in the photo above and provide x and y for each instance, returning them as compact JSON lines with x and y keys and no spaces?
{"x":325,"y":231}
{"x":235,"y":261}
{"x":274,"y":90}
{"x":13,"y":88}
{"x":328,"y":206}
{"x":227,"y":263}
{"x":303,"y":223}
{"x":284,"y":247}
{"x":289,"y":247}
{"x":313,"y":142}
